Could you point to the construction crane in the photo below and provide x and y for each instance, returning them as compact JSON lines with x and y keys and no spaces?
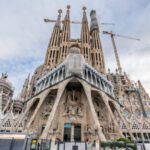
{"x":77,"y":22}
{"x":115,"y":48}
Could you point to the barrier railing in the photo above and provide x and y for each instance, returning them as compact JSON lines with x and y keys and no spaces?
{"x":71,"y":145}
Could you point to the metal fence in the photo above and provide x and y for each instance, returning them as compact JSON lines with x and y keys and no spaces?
{"x":44,"y":145}
{"x":71,"y":145}
{"x":59,"y":145}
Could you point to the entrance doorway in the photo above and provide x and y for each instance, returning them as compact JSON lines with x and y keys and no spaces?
{"x":77,"y":132}
{"x":72,"y":132}
{"x":67,"y":132}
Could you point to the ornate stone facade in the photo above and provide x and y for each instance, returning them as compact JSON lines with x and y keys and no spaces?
{"x":72,"y":97}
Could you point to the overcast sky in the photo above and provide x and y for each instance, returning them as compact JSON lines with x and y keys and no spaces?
{"x":24,"y":36}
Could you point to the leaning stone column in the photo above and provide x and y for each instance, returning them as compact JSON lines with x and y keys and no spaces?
{"x":87,"y":90}
{"x":60,"y":91}
{"x":132,"y":137}
{"x":110,"y":112}
{"x":37,"y":108}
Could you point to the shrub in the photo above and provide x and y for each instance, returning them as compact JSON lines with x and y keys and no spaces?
{"x":119,"y":144}
{"x":124,"y":140}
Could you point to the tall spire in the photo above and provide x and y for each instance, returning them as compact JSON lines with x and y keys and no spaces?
{"x":25,"y":88}
{"x":51,"y":58}
{"x":94,"y":22}
{"x":85,"y":38}
{"x":68,"y":12}
{"x":1,"y":100}
{"x":84,"y":15}
{"x":30,"y":92}
{"x":58,"y":21}
{"x":65,"y":36}
{"x":96,"y":47}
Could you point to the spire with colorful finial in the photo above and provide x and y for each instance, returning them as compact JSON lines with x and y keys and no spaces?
{"x":65,"y":36}
{"x":85,"y":38}
{"x":68,"y":9}
{"x":84,"y":10}
{"x":84,"y":14}
{"x":68,"y":12}
{"x":58,"y":21}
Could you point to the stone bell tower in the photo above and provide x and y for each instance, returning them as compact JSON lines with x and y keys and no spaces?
{"x":51,"y":58}
{"x":85,"y":38}
{"x":65,"y":36}
{"x":96,"y":47}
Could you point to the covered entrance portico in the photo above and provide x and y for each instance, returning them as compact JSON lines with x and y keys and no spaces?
{"x":72,"y":132}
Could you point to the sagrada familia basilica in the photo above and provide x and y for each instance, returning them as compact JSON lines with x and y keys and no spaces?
{"x":72,"y":97}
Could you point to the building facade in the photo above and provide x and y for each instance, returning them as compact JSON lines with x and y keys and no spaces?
{"x":72,"y":97}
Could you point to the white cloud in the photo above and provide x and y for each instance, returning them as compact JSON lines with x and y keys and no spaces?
{"x":24,"y":36}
